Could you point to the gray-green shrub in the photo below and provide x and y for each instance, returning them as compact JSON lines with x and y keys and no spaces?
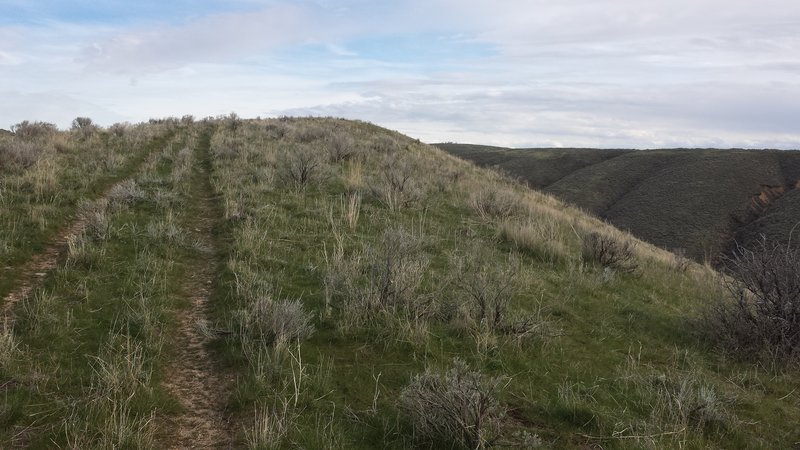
{"x":598,"y":248}
{"x":458,"y":408}
{"x":759,"y":318}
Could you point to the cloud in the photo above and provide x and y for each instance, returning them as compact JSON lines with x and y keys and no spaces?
{"x":53,"y":107}
{"x":591,"y":115}
{"x":213,"y":38}
{"x":525,"y":72}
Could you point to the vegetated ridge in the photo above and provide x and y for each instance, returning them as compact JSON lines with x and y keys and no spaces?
{"x":324,"y":283}
{"x":704,"y":201}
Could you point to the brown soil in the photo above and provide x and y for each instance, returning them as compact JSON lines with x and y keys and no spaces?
{"x":33,"y":272}
{"x":193,"y":378}
{"x":766,"y":196}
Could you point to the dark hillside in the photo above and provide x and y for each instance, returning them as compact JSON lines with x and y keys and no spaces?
{"x":776,"y":223}
{"x":697,"y":200}
{"x":690,"y":204}
{"x":599,"y":187}
{"x":539,"y":167}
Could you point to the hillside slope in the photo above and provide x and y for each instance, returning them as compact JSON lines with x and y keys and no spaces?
{"x":323,"y":283}
{"x":540,"y":168}
{"x":698,"y":200}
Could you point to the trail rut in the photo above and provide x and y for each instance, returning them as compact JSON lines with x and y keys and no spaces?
{"x":33,"y":272}
{"x":36,"y":269}
{"x":193,"y":377}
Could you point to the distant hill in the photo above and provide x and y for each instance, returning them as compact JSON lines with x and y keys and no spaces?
{"x":700,"y":200}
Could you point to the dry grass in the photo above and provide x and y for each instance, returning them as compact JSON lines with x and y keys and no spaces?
{"x":8,"y":345}
{"x":541,"y":237}
{"x":494,"y":204}
{"x":270,"y":427}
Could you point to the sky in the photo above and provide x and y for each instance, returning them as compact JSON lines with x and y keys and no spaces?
{"x":521,"y":73}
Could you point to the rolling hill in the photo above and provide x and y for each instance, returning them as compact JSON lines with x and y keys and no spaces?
{"x":701,"y":200}
{"x":323,"y":283}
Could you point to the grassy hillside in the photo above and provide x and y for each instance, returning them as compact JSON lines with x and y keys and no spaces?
{"x":697,"y":200}
{"x":322,"y":283}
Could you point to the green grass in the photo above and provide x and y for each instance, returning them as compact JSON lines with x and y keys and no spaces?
{"x":607,"y":359}
{"x":94,"y":339}
{"x":38,"y":202}
{"x":592,"y":376}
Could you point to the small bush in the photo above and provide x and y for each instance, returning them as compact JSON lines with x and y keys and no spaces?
{"x":340,"y":147}
{"x":119,"y":129}
{"x":308,"y":133}
{"x":277,"y":323}
{"x":232,"y":122}
{"x":18,"y":154}
{"x":300,"y":166}
{"x":96,"y":217}
{"x":125,"y":193}
{"x":395,"y":186}
{"x":493,"y":204}
{"x":383,"y":283}
{"x":385,"y":144}
{"x":275,"y":130}
{"x":458,"y":408}
{"x":487,"y":289}
{"x":83,"y":127}
{"x":609,"y":252}
{"x":679,"y":405}
{"x":29,"y":131}
{"x":759,"y":318}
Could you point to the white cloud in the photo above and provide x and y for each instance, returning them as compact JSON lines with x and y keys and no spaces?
{"x":627,"y":73}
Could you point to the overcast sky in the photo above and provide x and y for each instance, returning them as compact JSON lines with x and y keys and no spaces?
{"x":592,"y":73}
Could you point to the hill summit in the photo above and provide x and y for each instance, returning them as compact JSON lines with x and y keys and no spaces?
{"x":324,"y":283}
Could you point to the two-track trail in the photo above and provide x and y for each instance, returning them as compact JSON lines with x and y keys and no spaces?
{"x":32,"y":274}
{"x":193,"y":377}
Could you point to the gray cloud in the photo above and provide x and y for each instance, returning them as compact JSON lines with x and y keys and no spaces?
{"x":576,"y":72}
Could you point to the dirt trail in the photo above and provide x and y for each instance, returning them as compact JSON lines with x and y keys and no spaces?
{"x":33,"y":272}
{"x":193,"y":377}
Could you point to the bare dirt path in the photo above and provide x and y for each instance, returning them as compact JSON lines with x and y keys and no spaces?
{"x":33,"y":272}
{"x":193,"y":377}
